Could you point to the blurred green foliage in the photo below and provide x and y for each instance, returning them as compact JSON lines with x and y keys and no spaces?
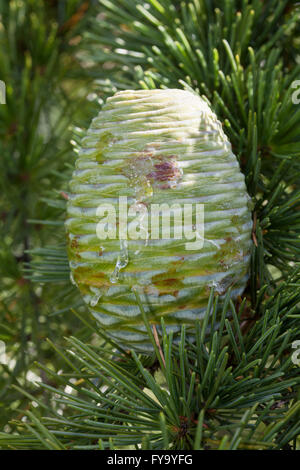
{"x":46,"y":87}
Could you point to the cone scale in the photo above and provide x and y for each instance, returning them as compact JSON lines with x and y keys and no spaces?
{"x":148,"y":148}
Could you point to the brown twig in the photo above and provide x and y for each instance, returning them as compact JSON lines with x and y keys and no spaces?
{"x":254,"y":229}
{"x":74,"y":20}
{"x":158,"y":344}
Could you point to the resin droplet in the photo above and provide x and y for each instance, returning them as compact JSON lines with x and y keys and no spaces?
{"x":122,"y":261}
{"x":72,"y":279}
{"x":95,"y":299}
{"x":136,"y":172}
